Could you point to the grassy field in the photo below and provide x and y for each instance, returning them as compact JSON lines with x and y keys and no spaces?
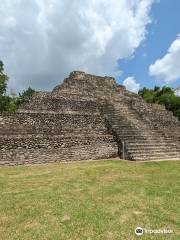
{"x":103,"y":200}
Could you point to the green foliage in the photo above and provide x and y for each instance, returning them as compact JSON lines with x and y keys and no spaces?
{"x":26,"y":95}
{"x":147,"y":94}
{"x":4,"y":100}
{"x":177,"y":113}
{"x":164,"y":96}
{"x":12,"y":107}
{"x":4,"y":103}
{"x":10,"y":103}
{"x":13,"y":104}
{"x":3,"y":79}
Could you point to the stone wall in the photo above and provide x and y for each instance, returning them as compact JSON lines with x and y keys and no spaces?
{"x":54,"y":137}
{"x":18,"y":150}
{"x":51,"y":123}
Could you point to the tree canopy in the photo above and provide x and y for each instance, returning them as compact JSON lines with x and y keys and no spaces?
{"x":25,"y":95}
{"x":10,"y":103}
{"x":165,"y":96}
{"x":4,"y":100}
{"x":3,"y":79}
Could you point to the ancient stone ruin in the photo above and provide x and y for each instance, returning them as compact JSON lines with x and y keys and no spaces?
{"x":87,"y":117}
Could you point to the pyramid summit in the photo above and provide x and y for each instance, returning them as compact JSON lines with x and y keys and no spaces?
{"x":88,"y":117}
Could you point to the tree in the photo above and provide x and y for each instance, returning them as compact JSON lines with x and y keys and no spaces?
{"x":164,"y":96}
{"x":147,"y":94}
{"x":3,"y":79}
{"x":157,"y":89}
{"x":10,"y":103}
{"x":4,"y":103}
{"x":166,"y":90}
{"x":25,"y":95}
{"x":4,"y":100}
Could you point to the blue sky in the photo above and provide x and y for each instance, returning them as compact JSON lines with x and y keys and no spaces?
{"x":42,"y":41}
{"x":161,"y":33}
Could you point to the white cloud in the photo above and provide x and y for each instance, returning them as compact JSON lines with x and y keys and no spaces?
{"x":43,"y":40}
{"x":177,"y":92}
{"x":167,"y":68}
{"x":131,"y":84}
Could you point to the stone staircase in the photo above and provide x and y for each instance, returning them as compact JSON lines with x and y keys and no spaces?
{"x":142,"y":140}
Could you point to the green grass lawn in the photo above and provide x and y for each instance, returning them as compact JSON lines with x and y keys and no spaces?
{"x":101,"y":200}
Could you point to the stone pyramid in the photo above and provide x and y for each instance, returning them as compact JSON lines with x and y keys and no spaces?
{"x":88,"y":117}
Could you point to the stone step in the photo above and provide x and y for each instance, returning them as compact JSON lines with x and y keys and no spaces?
{"x":156,"y":158}
{"x":135,"y":132}
{"x":152,"y":146}
{"x":140,"y":134}
{"x":154,"y":155}
{"x":157,"y":142}
{"x":154,"y":151}
{"x":125,"y":129}
{"x":142,"y":137}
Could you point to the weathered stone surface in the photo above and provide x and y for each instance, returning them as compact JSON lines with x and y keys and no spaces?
{"x":87,"y":117}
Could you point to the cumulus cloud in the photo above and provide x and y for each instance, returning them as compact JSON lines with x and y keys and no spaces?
{"x":131,"y":84}
{"x":41,"y":41}
{"x":167,"y":68}
{"x":177,"y":92}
